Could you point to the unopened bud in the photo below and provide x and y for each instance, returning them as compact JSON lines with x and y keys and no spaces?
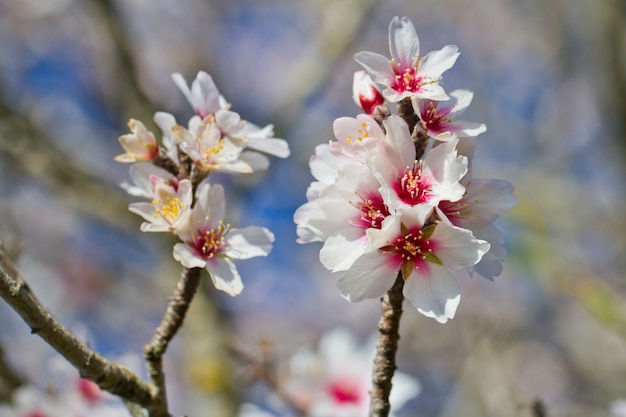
{"x":365,"y":93}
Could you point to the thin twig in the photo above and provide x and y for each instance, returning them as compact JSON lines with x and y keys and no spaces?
{"x":170,"y":324}
{"x":109,"y":376}
{"x":386,"y":347}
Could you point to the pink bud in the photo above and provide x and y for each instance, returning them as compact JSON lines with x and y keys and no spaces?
{"x":365,"y":93}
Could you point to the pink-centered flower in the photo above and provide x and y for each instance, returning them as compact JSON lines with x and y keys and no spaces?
{"x":425,"y":254}
{"x":407,"y":182}
{"x":408,"y":74}
{"x":140,"y":145}
{"x":438,"y":117}
{"x":335,"y":379}
{"x":212,"y":244}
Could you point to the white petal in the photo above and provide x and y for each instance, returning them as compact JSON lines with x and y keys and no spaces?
{"x":249,"y":242}
{"x":376,"y":65}
{"x":272,"y":146}
{"x":255,"y":160}
{"x":435,"y":294}
{"x":405,"y":387}
{"x":341,"y":250}
{"x":436,"y":63}
{"x":470,"y":129}
{"x":432,"y":91}
{"x":456,"y":247}
{"x":184,"y":255}
{"x":403,"y":41}
{"x":210,"y":205}
{"x":369,"y":277}
{"x":225,"y":276}
{"x":463,"y":99}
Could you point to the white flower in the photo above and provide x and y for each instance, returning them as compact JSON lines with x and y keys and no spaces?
{"x":221,"y":131}
{"x":140,"y":145}
{"x":208,"y":148}
{"x":170,"y":206}
{"x":211,"y":244}
{"x":407,"y":182}
{"x":203,"y":95}
{"x":424,"y":253}
{"x":407,"y":74}
{"x":334,"y":380}
{"x":437,"y":117}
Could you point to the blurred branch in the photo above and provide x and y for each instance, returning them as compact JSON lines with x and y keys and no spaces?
{"x":263,"y":371}
{"x":123,"y":92}
{"x":109,"y":376}
{"x":30,"y":151}
{"x":9,"y":380}
{"x":169,"y":326}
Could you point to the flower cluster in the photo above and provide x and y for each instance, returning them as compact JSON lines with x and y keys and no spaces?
{"x":174,"y":177}
{"x":394,"y":194}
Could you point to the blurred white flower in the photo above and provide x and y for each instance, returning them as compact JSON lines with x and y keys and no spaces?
{"x":334,"y":380}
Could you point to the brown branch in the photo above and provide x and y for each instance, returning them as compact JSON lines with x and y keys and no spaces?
{"x":9,"y":379}
{"x":167,"y":329}
{"x":109,"y":376}
{"x":386,"y":347}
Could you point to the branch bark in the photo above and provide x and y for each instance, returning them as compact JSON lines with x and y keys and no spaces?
{"x":109,"y":376}
{"x":171,"y":322}
{"x":386,"y":347}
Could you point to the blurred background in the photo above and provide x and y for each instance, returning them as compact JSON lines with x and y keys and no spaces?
{"x":549,"y":80}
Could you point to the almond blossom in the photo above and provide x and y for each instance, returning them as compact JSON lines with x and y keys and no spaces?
{"x":140,"y":145}
{"x":408,"y":74}
{"x":212,"y":244}
{"x":332,"y":379}
{"x":425,"y":254}
{"x":170,"y":206}
{"x":407,"y":182}
{"x":438,"y":117}
{"x":217,"y":137}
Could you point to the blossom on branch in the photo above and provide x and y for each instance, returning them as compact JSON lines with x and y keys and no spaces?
{"x":408,"y":74}
{"x":212,"y":244}
{"x":140,"y":145}
{"x":438,"y":117}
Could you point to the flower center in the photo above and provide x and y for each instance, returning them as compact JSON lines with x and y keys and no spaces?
{"x":413,"y":249}
{"x":413,"y":187}
{"x":345,"y":392}
{"x":214,"y":150}
{"x":169,"y":209}
{"x":456,"y":211}
{"x":373,"y":211}
{"x":361,"y":132}
{"x":210,"y":242}
{"x":436,"y":119}
{"x":407,"y":79}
